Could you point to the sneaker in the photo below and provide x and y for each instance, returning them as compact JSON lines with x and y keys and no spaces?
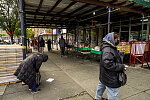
{"x":34,"y":92}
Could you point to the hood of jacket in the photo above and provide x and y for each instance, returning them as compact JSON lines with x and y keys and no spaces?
{"x":45,"y":57}
{"x":109,"y":38}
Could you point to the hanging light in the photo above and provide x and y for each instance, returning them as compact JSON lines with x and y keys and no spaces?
{"x":94,"y":13}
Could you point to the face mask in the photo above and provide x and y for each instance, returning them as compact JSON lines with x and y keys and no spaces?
{"x":116,"y":43}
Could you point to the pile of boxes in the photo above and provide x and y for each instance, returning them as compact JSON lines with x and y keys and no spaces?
{"x":10,"y":58}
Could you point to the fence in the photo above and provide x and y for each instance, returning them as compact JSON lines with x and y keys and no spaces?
{"x":140,"y":49}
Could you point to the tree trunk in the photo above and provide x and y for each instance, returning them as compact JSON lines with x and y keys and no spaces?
{"x":18,"y":39}
{"x":12,"y":38}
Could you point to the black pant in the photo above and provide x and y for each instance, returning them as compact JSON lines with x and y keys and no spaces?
{"x":62,"y":50}
{"x":49,"y":47}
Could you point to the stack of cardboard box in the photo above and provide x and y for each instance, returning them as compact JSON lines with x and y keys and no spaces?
{"x":10,"y":58}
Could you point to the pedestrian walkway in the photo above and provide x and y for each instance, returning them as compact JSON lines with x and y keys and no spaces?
{"x":77,"y":79}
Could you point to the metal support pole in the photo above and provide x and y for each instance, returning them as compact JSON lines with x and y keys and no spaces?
{"x":72,"y":41}
{"x":25,"y":38}
{"x":56,"y":38}
{"x":129,"y":29}
{"x":109,"y":20}
{"x":66,"y":36}
{"x":77,"y":31}
{"x":148,"y":30}
{"x":83,"y":34}
{"x":89,"y":36}
{"x":22,"y":29}
{"x":142,"y":27}
{"x":97,"y":35}
{"x":52,"y":38}
{"x":120,"y":31}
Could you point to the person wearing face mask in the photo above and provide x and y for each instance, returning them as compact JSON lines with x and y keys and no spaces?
{"x":110,"y":64}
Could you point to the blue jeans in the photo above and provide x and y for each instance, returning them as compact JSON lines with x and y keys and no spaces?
{"x":33,"y":87}
{"x":112,"y":93}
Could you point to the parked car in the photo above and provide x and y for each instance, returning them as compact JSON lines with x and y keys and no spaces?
{"x":7,"y":41}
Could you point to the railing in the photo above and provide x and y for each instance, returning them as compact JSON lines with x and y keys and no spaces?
{"x":140,"y":49}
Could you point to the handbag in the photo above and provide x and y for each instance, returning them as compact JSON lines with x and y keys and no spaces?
{"x":122,"y":77}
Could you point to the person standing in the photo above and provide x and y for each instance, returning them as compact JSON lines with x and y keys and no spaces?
{"x":62,"y":45}
{"x":49,"y":44}
{"x":38,"y":44}
{"x":110,"y":64}
{"x":27,"y":70}
{"x":42,"y":45}
{"x":35,"y":44}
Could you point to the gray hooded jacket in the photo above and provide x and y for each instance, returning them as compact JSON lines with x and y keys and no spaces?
{"x":27,"y":70}
{"x":110,"y":62}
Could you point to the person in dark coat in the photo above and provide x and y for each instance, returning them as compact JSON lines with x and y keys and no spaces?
{"x":42,"y":45}
{"x":49,"y":44}
{"x":110,"y":64}
{"x":27,"y":70}
{"x":62,"y":45}
{"x":38,"y":44}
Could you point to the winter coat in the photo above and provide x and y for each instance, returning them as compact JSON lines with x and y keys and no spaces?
{"x":49,"y":44}
{"x":42,"y":43}
{"x":62,"y":43}
{"x":27,"y":70}
{"x":110,"y":62}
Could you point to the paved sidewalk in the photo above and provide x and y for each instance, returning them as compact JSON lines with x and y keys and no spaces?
{"x":75,"y":76}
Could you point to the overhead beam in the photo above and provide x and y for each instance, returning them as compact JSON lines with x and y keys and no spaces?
{"x":78,"y":9}
{"x":82,"y":7}
{"x":105,"y":4}
{"x":40,"y":4}
{"x":71,"y":4}
{"x":81,"y":14}
{"x":88,"y":11}
{"x":46,"y":26}
{"x":121,"y":3}
{"x":29,"y":5}
{"x":39,"y":21}
{"x":45,"y":14}
{"x":54,"y":6}
{"x":113,"y":1}
{"x":33,"y":21}
{"x":102,"y":10}
{"x":130,"y":5}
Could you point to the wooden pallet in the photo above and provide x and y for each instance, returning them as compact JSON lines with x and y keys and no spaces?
{"x":12,"y":82}
{"x":10,"y":58}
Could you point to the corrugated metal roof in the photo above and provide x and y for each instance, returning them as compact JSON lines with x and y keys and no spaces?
{"x":68,"y":9}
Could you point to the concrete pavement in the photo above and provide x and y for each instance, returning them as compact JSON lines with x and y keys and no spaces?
{"x":75,"y":76}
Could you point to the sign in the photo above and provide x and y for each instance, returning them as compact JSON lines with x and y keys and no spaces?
{"x":54,"y":31}
{"x":58,"y":31}
{"x":50,"y":30}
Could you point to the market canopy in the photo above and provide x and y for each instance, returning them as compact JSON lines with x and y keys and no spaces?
{"x":65,"y":13}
